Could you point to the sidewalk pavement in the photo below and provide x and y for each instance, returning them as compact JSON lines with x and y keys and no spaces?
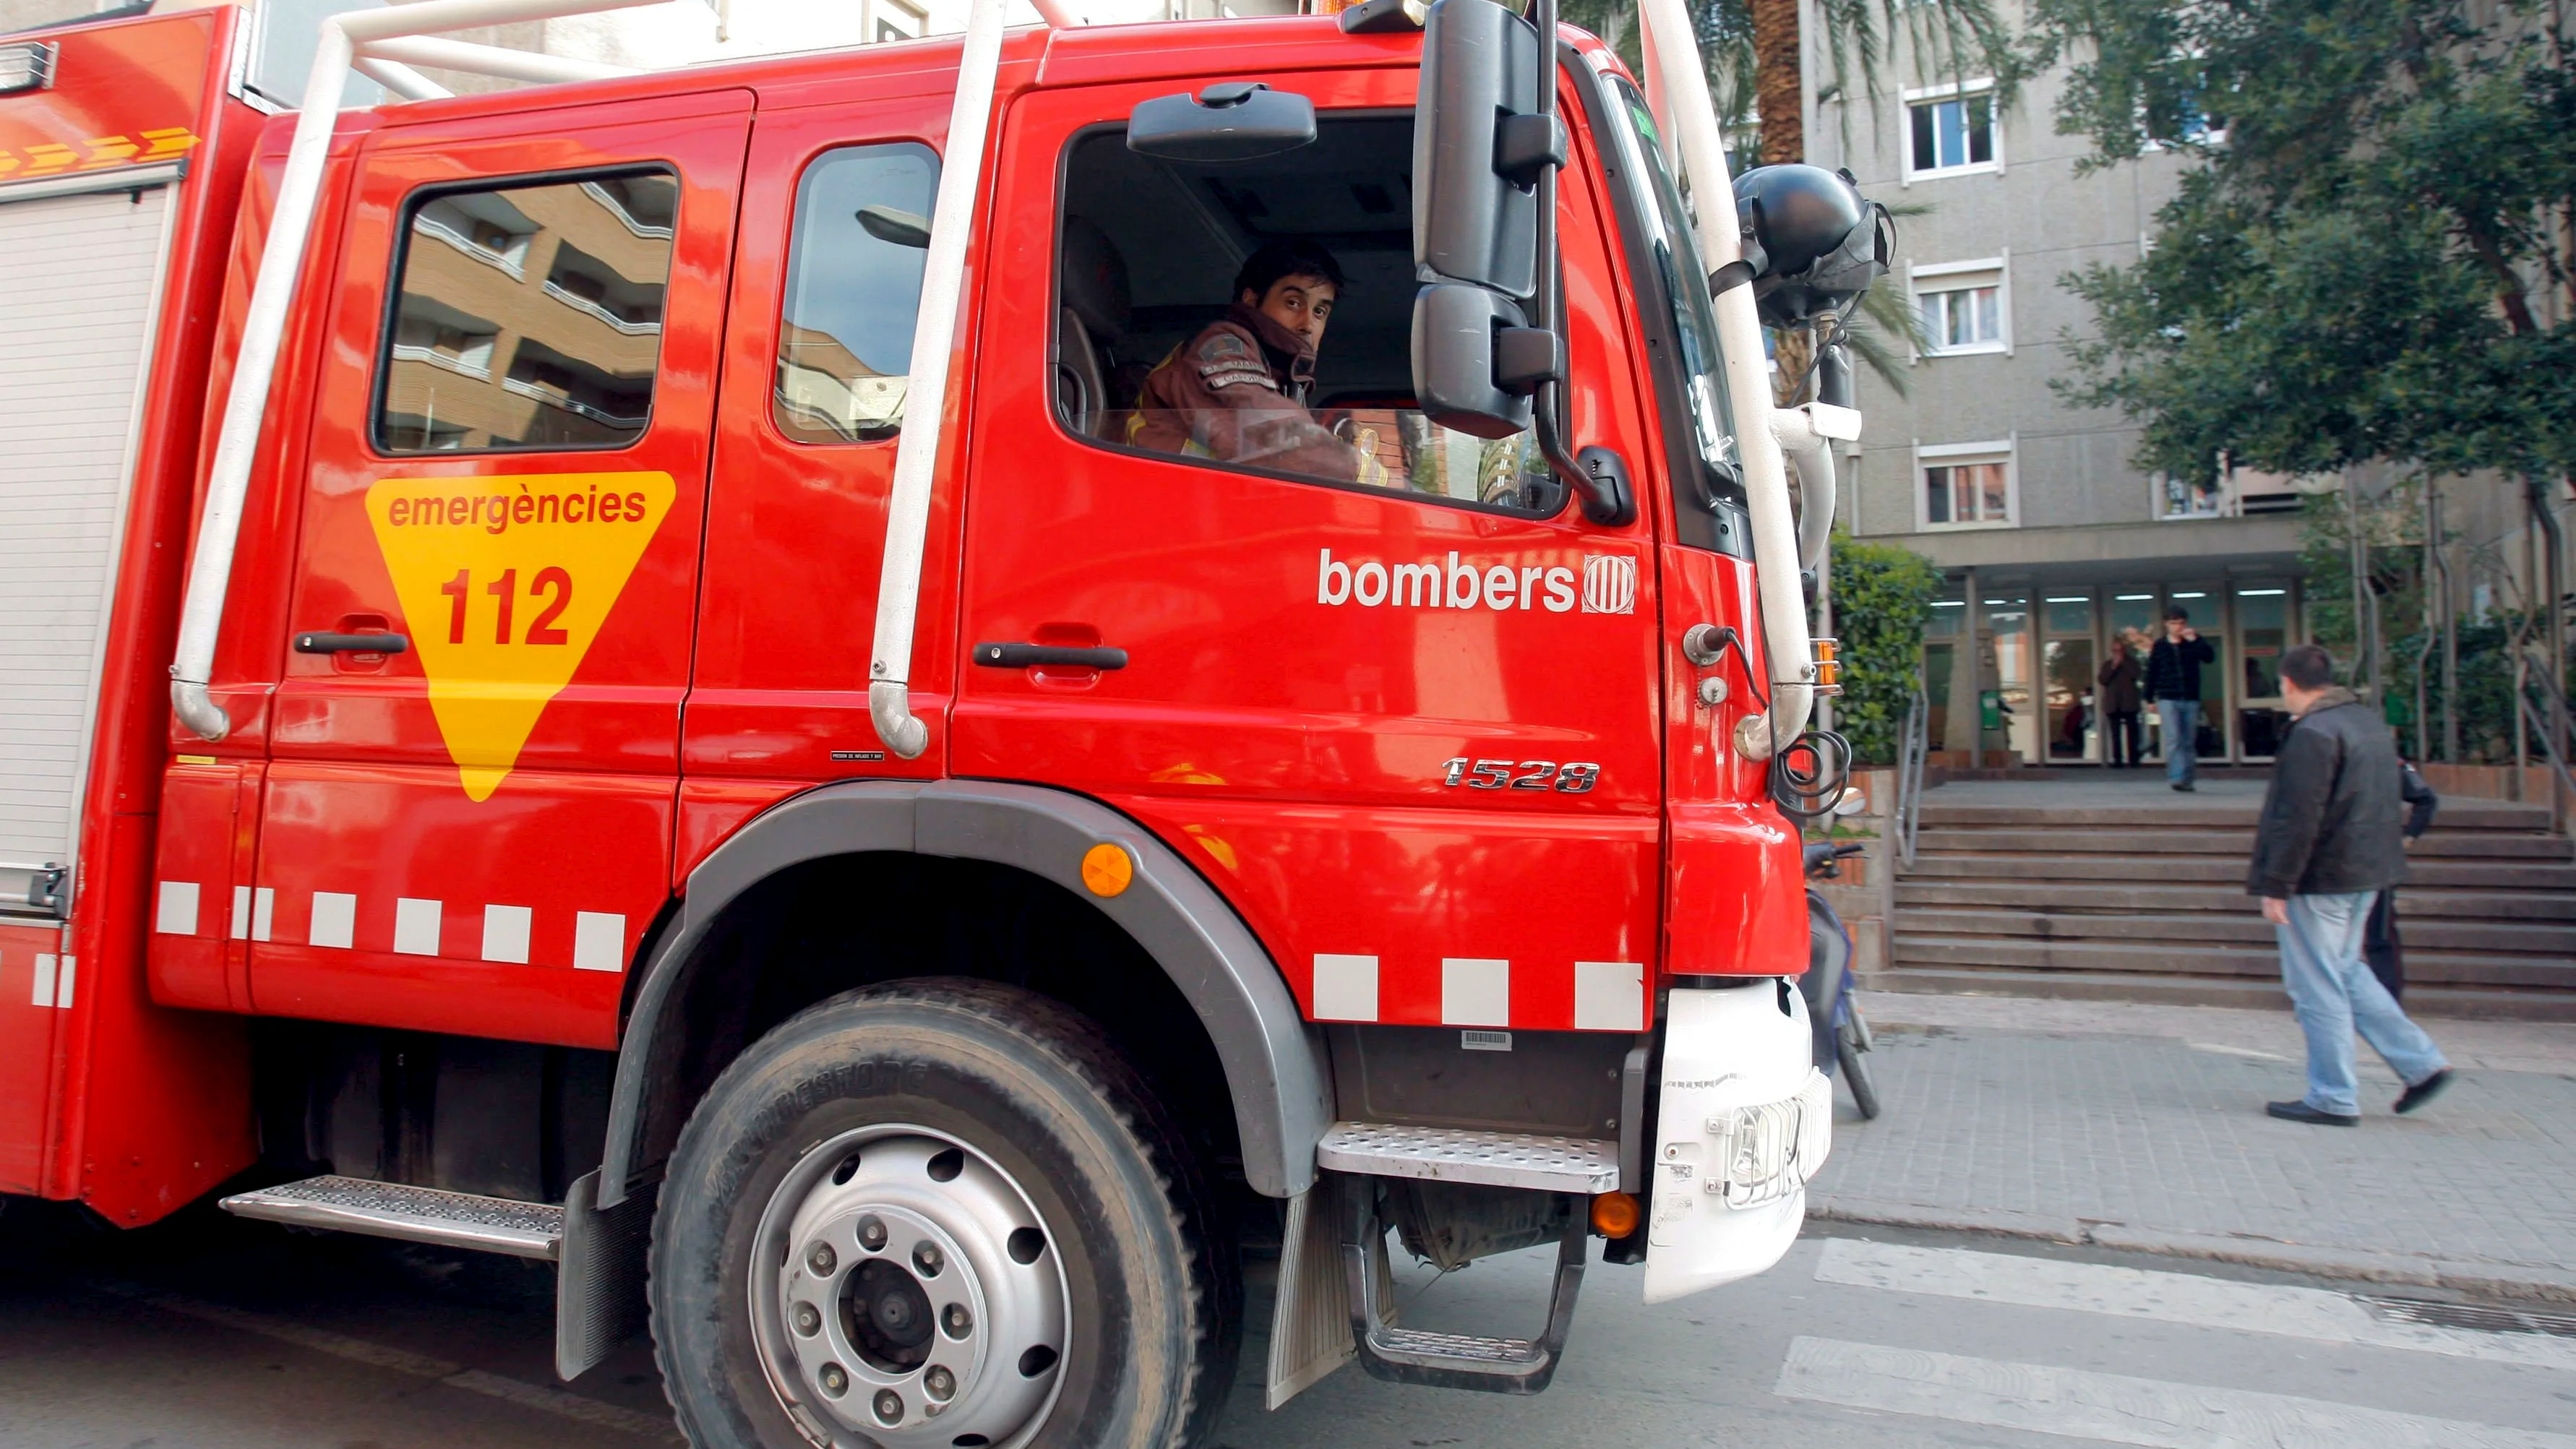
{"x":2141,"y":1127}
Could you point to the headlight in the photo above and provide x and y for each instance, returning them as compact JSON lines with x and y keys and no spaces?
{"x":1769,"y":1150}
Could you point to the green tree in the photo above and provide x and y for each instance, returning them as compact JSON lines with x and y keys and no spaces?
{"x":1882,"y":596}
{"x":2358,"y":267}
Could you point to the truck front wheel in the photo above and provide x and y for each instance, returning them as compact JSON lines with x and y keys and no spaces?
{"x":939,"y":1213}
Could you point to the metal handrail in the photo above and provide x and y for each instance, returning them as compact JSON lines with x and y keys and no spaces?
{"x":2540,"y":727}
{"x":1910,"y":758}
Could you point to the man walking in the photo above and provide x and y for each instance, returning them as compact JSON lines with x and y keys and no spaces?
{"x":2328,"y":844}
{"x":2173,"y":682}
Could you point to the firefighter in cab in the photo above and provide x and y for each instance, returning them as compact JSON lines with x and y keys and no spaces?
{"x":1240,"y":389}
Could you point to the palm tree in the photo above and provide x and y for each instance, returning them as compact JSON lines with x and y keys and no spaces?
{"x":1751,"y":48}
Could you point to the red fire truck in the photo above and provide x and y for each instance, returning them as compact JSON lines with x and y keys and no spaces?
{"x":624,"y":672}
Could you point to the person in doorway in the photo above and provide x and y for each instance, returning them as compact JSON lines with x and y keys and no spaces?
{"x":2380,"y":945}
{"x":2328,"y":844}
{"x":2173,"y":682}
{"x":2118,"y":679}
{"x":1239,"y":390}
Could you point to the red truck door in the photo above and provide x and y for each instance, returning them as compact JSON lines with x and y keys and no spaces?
{"x":509,"y":462}
{"x":1408,"y":724}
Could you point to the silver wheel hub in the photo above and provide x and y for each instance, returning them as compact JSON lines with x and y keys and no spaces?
{"x":904,"y":1292}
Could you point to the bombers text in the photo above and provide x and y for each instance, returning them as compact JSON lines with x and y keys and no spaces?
{"x":1607,"y":585}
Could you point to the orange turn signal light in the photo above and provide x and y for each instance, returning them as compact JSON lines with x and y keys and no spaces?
{"x":1614,"y":1214}
{"x":1107,"y":869}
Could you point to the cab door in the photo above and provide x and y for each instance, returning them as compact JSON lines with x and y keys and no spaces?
{"x":470,"y":829}
{"x":1411,"y":733}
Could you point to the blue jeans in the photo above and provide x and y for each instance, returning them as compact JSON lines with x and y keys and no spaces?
{"x":2181,"y":721}
{"x":2334,"y":992}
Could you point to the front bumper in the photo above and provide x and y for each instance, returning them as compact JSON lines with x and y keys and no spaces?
{"x":1744,"y":1120}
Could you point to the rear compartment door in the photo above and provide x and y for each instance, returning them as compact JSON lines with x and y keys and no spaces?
{"x":77,"y":310}
{"x":508,"y":468}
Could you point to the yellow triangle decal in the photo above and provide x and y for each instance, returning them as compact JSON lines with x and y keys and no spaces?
{"x":504,"y":583}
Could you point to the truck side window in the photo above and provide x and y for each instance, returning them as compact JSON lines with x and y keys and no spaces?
{"x":527,"y":316}
{"x":1161,"y":346}
{"x":853,"y":286}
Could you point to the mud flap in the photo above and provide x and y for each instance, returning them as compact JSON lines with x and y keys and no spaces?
{"x":599,"y":1284}
{"x":1744,"y":1120}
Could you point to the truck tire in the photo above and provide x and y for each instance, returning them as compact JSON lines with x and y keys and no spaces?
{"x":940,"y":1212}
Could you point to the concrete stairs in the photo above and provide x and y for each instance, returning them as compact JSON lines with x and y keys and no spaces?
{"x":2064,"y":898}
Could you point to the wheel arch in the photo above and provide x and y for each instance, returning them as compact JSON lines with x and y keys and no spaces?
{"x":1272,"y":1068}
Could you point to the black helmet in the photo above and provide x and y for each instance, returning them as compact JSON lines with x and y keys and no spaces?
{"x":1815,"y":243}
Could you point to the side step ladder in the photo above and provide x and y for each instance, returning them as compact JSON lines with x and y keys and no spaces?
{"x":414,"y":1214}
{"x":1580,"y":1167}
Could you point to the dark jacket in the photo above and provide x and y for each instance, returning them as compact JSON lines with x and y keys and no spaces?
{"x":2173,"y":668}
{"x":1238,"y":392}
{"x":2119,"y":680}
{"x":2333,"y":817}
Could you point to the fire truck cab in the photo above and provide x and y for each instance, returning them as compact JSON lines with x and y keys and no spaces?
{"x":723,"y":736}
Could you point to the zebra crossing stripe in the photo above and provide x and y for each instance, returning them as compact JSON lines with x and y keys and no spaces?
{"x":2185,"y":1298}
{"x":2075,"y":1403}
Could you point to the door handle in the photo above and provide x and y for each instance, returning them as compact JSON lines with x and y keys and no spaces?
{"x":1024,"y":656}
{"x":351,"y":644}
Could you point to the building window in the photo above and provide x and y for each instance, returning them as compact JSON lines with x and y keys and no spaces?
{"x":1965,"y":307}
{"x":897,"y":20}
{"x":528,"y":316}
{"x":1967,"y":485}
{"x":1952,"y":130}
{"x":853,"y":290}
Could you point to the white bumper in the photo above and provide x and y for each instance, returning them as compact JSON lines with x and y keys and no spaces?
{"x":1745,"y":1120}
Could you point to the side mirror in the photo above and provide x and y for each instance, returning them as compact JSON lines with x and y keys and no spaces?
{"x":1230,"y":121}
{"x":1483,"y":136}
{"x":1476,"y":361}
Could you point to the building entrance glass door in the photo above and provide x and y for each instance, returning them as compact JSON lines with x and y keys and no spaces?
{"x":2262,"y":632}
{"x":2007,"y":631}
{"x":2066,"y":659}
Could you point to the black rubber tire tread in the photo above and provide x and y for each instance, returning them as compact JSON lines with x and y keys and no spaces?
{"x":1856,"y":1072}
{"x":1155,"y":1291}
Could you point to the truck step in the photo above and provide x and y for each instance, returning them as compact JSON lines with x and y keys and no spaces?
{"x":1449,"y":1154}
{"x":1451,"y":1360}
{"x":415,"y":1214}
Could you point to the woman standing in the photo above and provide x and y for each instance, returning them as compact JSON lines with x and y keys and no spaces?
{"x":2119,"y":698}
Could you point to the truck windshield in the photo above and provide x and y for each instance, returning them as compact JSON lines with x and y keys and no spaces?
{"x":1665,"y":219}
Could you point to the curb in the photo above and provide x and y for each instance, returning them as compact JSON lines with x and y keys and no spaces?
{"x":2476,"y":1277}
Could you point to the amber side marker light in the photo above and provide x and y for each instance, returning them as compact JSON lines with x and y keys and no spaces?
{"x":1107,"y":869}
{"x":1614,"y":1215}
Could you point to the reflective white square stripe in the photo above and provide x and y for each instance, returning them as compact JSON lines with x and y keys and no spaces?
{"x":44,"y":994}
{"x":177,"y":915}
{"x":241,"y":913}
{"x":505,"y":933}
{"x":1475,"y":992}
{"x":335,"y":919}
{"x":415,"y":926}
{"x":598,"y":941}
{"x":263,"y":905}
{"x":1609,"y":996}
{"x":63,"y":983}
{"x":1346,"y":988}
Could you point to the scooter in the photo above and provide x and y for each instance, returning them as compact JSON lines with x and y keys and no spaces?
{"x":1842,"y":1036}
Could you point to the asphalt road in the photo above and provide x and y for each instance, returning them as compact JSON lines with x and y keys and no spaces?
{"x":212,"y":1334}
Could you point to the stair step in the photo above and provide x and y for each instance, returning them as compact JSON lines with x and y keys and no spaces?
{"x":2453,"y":1002}
{"x":2042,"y":896}
{"x":414,"y":1214}
{"x":2244,"y":927}
{"x":1450,"y":1154}
{"x":2420,"y":874}
{"x":2154,"y":958}
{"x":2237,"y":814}
{"x":2437,"y":844}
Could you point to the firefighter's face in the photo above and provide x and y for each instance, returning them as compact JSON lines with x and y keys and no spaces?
{"x":1300,"y":304}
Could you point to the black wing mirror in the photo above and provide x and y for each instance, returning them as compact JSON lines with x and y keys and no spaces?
{"x":1230,"y":121}
{"x":903,"y":228}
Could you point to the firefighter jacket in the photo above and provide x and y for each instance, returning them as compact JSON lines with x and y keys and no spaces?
{"x":1237,"y":392}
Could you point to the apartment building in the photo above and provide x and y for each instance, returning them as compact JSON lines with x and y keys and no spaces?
{"x":2053,"y":542}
